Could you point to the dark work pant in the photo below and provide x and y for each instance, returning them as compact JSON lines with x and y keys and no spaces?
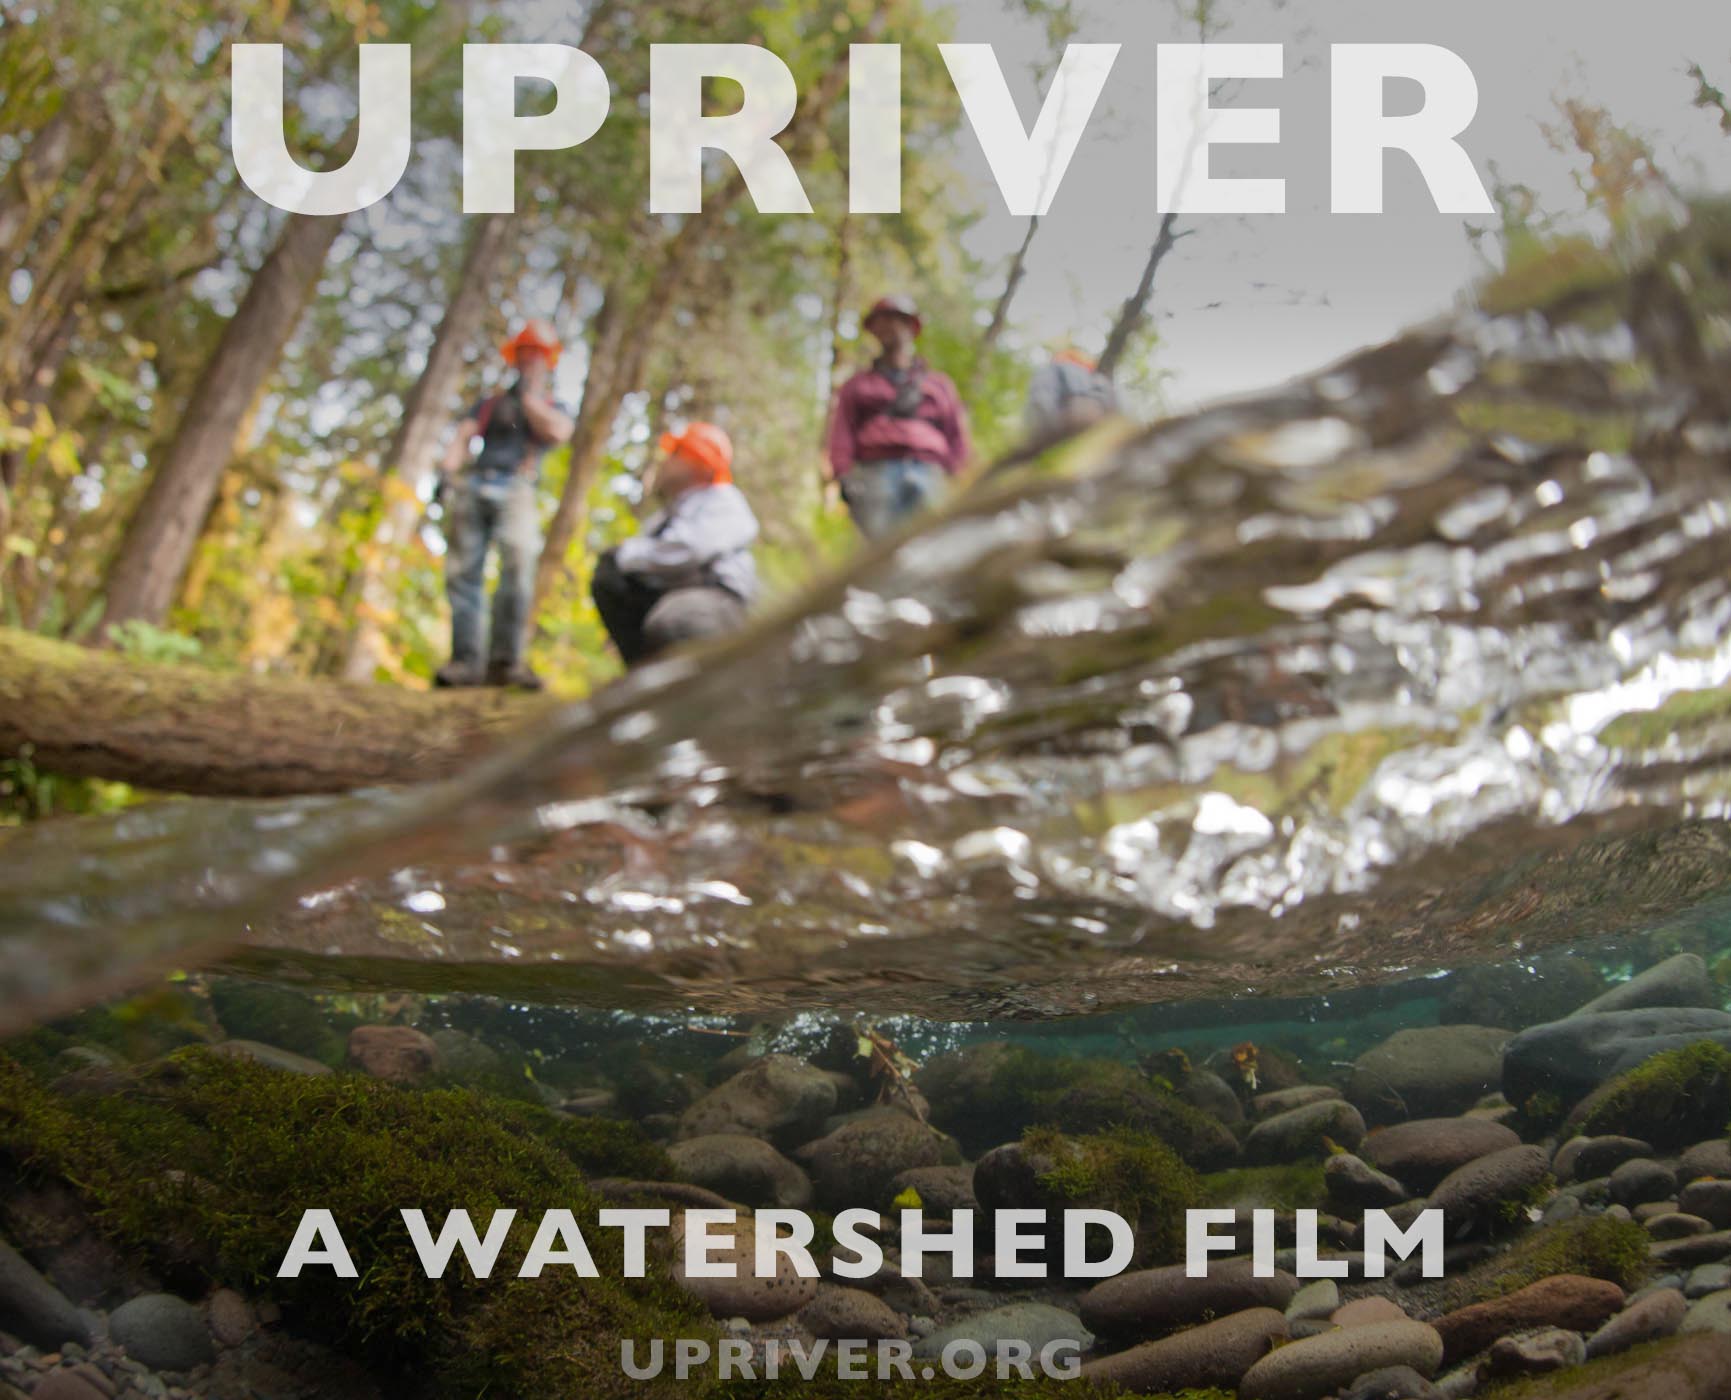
{"x":645,"y":619}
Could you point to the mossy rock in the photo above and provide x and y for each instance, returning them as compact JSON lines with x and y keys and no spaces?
{"x":278,"y":1016}
{"x":1131,"y":1173}
{"x":1676,"y":1098}
{"x":1677,"y":1368}
{"x":201,"y":1167}
{"x":989,"y":1094}
{"x":142,"y":1027}
{"x":1295,"y":1186}
{"x":1599,"y":1246}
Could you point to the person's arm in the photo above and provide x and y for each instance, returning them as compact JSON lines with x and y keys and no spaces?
{"x":955,"y":427}
{"x":547,"y":421}
{"x":457,"y":449}
{"x":841,"y":435}
{"x":702,"y":528}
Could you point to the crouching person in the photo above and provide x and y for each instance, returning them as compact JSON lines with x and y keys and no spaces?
{"x":688,"y":575}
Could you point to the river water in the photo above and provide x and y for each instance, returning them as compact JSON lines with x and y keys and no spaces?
{"x":1407,"y":667}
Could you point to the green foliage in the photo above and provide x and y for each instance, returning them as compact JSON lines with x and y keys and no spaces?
{"x":138,"y":640}
{"x":203,"y":1165}
{"x":28,"y":794}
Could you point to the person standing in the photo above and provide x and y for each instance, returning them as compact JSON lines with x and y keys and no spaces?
{"x":897,"y":431}
{"x":490,"y":501}
{"x":688,"y":575}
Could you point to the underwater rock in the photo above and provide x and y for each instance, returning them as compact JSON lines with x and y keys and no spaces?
{"x":1320,"y":1366}
{"x":1710,"y":1158}
{"x":1133,"y":1174}
{"x":1368,"y":1312}
{"x":1664,"y":1099}
{"x":1353,"y":1184}
{"x":1640,"y":1180}
{"x":855,"y":1165}
{"x":1586,"y":1158}
{"x":1692,"y":1250}
{"x":1675,"y":1225}
{"x":1475,"y":1197}
{"x":1214,"y":1355}
{"x":1536,"y":1353}
{"x":840,"y":1313}
{"x":745,"y":1295}
{"x":1318,"y":1298}
{"x":84,"y":1382}
{"x":1707,"y":1278}
{"x":988,"y":1093}
{"x":1572,"y":1301}
{"x":1206,"y":1090}
{"x":1711,"y":1313}
{"x":1284,"y":1100}
{"x":1421,"y":1153}
{"x":1710,"y":1199}
{"x":33,"y":1309}
{"x":1646,"y":1319}
{"x":942,"y":1190}
{"x":1033,"y":1323}
{"x":274,"y":1015}
{"x":465,"y":1058}
{"x":162,"y":1332}
{"x":1516,"y":994}
{"x":1427,"y":1072}
{"x":399,"y":1054}
{"x":1689,"y":1368}
{"x":230,"y":1317}
{"x":776,"y":1097}
{"x":1311,"y":1131}
{"x":1152,"y":1302}
{"x":270,"y":1056}
{"x":1570,"y":1058}
{"x":1682,"y":980}
{"x":741,"y":1168}
{"x":1391,"y":1383}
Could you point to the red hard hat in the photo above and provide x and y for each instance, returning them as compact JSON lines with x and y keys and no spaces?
{"x":704,"y":445}
{"x":538,"y":335}
{"x":897,"y":305}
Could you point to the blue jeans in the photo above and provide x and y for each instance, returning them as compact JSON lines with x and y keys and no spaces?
{"x":481,"y":512}
{"x":881,"y":495}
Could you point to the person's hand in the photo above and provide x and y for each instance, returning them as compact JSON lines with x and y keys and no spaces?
{"x":832,"y":497}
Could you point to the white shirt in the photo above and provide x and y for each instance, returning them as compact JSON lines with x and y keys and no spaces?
{"x":708,"y":529}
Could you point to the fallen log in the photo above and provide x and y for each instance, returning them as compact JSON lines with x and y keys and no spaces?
{"x":92,"y":714}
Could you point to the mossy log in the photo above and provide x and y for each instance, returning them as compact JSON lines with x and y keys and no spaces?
{"x":93,"y":714}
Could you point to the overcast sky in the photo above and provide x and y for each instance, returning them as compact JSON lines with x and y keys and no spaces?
{"x":1245,"y":302}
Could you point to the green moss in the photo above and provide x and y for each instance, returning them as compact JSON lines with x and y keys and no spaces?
{"x":1666,"y":1100}
{"x":1297,"y":1186}
{"x":1586,"y":1379}
{"x":203,"y":1166}
{"x":991,"y":1095}
{"x":278,"y":1016}
{"x":1600,"y":1247}
{"x":1131,"y":1173}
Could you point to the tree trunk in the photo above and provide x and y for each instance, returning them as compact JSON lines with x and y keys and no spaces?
{"x":160,"y":539}
{"x":1134,"y":313}
{"x":181,"y":729}
{"x":415,"y":443}
{"x":588,"y":441}
{"x":1001,"y":311}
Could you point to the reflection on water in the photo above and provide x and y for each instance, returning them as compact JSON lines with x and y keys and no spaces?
{"x":1415,"y":663}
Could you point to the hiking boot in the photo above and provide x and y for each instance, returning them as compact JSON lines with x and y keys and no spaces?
{"x":516,"y":674}
{"x":455,"y":674}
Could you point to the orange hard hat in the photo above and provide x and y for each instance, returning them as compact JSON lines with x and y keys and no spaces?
{"x":704,"y":445}
{"x":537,"y":335}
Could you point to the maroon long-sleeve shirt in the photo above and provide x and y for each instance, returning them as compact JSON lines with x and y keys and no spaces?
{"x":862,"y":428}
